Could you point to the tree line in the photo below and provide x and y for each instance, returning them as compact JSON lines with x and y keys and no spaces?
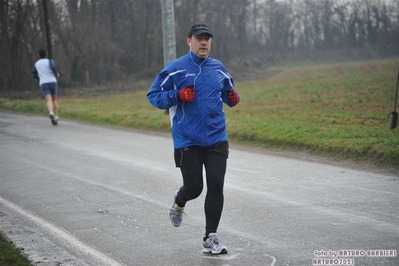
{"x":96,"y":41}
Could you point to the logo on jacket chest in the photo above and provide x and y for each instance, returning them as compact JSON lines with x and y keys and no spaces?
{"x":190,"y":75}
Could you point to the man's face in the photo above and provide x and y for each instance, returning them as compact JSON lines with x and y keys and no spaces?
{"x":200,"y":45}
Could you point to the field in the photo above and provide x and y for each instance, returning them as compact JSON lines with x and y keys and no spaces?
{"x":339,"y":111}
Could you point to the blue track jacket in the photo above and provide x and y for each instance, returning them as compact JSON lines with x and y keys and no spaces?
{"x":201,"y":122}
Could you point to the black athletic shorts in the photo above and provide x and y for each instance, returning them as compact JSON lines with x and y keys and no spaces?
{"x":195,"y":154}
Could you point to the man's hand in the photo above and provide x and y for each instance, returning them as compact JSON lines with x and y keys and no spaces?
{"x":187,"y":94}
{"x":233,"y":97}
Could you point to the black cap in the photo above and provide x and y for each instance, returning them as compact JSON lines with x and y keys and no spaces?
{"x":198,"y":29}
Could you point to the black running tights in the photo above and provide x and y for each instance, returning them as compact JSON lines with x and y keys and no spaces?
{"x":192,"y":161}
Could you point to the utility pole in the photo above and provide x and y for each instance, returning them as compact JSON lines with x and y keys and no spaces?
{"x":168,"y":31}
{"x":47,"y":26}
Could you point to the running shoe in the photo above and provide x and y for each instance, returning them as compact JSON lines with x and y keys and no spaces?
{"x":53,"y":119}
{"x":212,"y":245}
{"x":176,"y":213}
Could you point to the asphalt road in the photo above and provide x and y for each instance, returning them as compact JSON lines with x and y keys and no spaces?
{"x":78,"y":194}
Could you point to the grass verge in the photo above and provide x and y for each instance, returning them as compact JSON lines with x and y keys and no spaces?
{"x":10,"y":255}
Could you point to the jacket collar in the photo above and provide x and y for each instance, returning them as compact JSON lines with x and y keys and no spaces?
{"x":196,"y":59}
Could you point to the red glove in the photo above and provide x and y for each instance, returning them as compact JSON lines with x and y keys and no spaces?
{"x":233,"y":97}
{"x":186,"y":94}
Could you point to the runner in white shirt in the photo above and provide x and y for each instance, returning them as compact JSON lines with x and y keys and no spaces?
{"x":46,"y":71}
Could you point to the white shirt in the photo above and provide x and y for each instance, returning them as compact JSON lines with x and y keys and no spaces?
{"x":46,"y":70}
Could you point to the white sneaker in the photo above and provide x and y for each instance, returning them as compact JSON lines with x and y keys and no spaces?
{"x":54,"y":119}
{"x":212,"y":245}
